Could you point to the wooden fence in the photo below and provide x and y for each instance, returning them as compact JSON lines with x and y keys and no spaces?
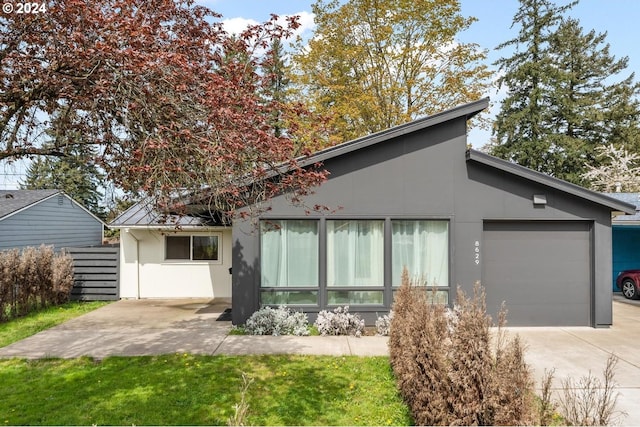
{"x":95,"y":273}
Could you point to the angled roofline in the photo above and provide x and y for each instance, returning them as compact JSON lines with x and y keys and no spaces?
{"x":466,"y":110}
{"x":44,"y":199}
{"x":549,"y":181}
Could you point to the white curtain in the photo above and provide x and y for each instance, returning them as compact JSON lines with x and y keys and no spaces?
{"x":289,"y":253}
{"x":355,"y":253}
{"x":422,"y":247}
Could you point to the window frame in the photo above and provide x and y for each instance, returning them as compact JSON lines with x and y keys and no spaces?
{"x":387,"y":288}
{"x":289,"y":291}
{"x":191,"y":260}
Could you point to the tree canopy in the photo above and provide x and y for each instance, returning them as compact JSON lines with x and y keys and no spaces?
{"x":169,"y":99}
{"x":75,"y":174}
{"x":374,"y":64}
{"x":565,"y":96}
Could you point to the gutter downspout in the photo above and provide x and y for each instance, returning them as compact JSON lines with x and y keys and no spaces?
{"x":128,"y":231}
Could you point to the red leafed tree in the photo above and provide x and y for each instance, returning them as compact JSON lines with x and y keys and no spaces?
{"x":175,"y":105}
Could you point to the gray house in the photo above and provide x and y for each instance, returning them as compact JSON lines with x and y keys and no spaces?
{"x":50,"y":217}
{"x":416,"y":196}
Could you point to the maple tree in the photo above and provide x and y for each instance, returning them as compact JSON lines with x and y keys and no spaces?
{"x":171,"y":101}
{"x":376,"y":64}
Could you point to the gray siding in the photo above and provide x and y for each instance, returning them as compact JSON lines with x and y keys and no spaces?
{"x":55,"y":221}
{"x":425,"y":175}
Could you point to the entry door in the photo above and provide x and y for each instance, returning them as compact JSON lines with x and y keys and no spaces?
{"x":541,"y":269}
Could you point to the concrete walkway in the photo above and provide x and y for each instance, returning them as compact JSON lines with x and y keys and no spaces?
{"x":148,"y":327}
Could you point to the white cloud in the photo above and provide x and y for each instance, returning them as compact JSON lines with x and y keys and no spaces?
{"x":239,"y":24}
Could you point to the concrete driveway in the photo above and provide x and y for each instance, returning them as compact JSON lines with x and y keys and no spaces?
{"x":147,"y":327}
{"x":576,"y":351}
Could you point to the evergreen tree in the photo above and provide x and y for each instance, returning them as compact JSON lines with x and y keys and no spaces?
{"x":520,"y":126}
{"x":74,"y":173}
{"x":562,"y":100}
{"x":275,"y":72}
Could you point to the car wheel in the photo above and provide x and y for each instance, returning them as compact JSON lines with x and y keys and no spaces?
{"x":629,"y":289}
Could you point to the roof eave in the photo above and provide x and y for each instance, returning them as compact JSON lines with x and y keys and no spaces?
{"x":549,"y":181}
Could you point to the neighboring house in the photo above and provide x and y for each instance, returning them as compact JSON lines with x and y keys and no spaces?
{"x":626,"y":236}
{"x":412,"y":196}
{"x":49,"y":217}
{"x":175,"y":257}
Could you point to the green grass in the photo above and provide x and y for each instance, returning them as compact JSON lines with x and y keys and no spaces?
{"x":200,"y":390}
{"x":31,"y":324}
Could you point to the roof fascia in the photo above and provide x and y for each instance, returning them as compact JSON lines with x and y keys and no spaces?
{"x":549,"y":181}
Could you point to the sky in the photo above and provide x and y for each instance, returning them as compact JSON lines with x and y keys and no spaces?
{"x":618,"y":18}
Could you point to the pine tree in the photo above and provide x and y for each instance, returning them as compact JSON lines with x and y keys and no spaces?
{"x":521,"y":124}
{"x":74,"y":173}
{"x":563,"y":101}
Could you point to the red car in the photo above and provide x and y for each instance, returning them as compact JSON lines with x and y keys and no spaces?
{"x":628,"y":281}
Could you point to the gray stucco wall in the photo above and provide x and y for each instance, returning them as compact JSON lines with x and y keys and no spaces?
{"x":55,"y":221}
{"x":425,"y":175}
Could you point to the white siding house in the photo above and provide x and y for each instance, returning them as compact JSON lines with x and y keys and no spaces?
{"x":50,"y":217}
{"x":167,"y":259}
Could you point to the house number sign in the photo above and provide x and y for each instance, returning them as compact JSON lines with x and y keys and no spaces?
{"x":476,"y":252}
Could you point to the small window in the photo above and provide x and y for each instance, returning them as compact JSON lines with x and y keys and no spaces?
{"x":193,"y":248}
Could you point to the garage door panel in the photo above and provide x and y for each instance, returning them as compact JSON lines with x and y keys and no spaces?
{"x":542,"y":270}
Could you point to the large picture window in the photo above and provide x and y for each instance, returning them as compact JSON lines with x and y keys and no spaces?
{"x":192,"y":248}
{"x":423,"y":248}
{"x":289,"y":251}
{"x":355,"y":253}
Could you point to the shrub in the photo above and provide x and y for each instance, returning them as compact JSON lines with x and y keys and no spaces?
{"x":33,"y":278}
{"x":277,"y":321}
{"x":450,"y":369}
{"x":339,"y":322}
{"x":383,"y":324}
{"x":589,"y":401}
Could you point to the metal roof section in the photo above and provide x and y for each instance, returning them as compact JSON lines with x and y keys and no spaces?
{"x":144,"y":215}
{"x":632,"y":199}
{"x":13,"y":201}
{"x":467,"y":110}
{"x":558,"y":184}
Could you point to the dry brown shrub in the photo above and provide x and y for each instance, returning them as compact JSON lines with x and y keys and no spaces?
{"x":62,"y":277}
{"x":590,"y":401}
{"x":33,"y":278}
{"x":8,"y":281}
{"x":450,"y":369}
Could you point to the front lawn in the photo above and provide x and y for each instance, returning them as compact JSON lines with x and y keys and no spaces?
{"x":200,"y":390}
{"x":23,"y":327}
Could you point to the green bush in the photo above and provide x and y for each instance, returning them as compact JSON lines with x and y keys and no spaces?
{"x":33,"y":278}
{"x":450,"y":368}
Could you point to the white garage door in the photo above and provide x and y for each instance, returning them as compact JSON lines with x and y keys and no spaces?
{"x":541,"y":269}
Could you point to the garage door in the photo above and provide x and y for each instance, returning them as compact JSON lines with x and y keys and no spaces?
{"x":542,"y":270}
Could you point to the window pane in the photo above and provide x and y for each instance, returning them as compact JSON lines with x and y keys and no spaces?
{"x":422,"y":247}
{"x":205,"y":248}
{"x":355,"y":297}
{"x":355,"y":253}
{"x":178,"y":247}
{"x":289,"y":253}
{"x":289,"y":298}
